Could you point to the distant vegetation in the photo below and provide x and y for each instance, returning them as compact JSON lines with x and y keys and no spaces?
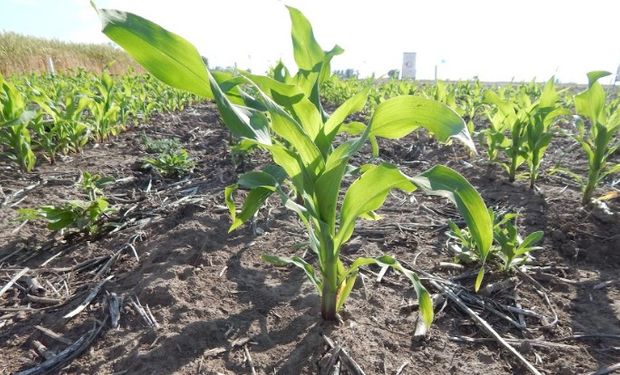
{"x":27,"y":54}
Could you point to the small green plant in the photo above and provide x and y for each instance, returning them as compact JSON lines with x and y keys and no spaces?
{"x":508,"y":245}
{"x":463,"y":244}
{"x":14,"y":124}
{"x":63,"y":129}
{"x":522,"y":127}
{"x":513,"y":250}
{"x":171,"y":163}
{"x":77,"y":214}
{"x":159,"y":146}
{"x":599,"y":141}
{"x":105,"y":110}
{"x":80,"y":215}
{"x":92,"y":184}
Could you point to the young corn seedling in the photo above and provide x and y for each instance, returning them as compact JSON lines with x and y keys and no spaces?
{"x":14,"y":123}
{"x":513,"y":250}
{"x":542,"y":115}
{"x":466,"y":246}
{"x":63,"y":129}
{"x":599,"y":141}
{"x":522,"y":128}
{"x":508,"y":245}
{"x":105,"y":110}
{"x":284,"y":117}
{"x":495,"y":134}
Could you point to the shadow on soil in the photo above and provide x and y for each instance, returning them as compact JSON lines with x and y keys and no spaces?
{"x":154,"y":352}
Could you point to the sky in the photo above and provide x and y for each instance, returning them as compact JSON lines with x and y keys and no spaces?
{"x":499,"y":40}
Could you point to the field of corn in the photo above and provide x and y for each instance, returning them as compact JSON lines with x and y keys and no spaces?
{"x":193,"y":221}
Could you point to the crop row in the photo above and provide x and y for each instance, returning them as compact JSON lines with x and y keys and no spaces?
{"x":516,"y":122}
{"x":47,"y":116}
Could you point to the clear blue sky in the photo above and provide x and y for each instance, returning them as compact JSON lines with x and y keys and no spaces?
{"x":495,"y":40}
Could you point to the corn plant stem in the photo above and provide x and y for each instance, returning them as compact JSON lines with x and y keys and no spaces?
{"x":484,"y":325}
{"x":596,"y":167}
{"x":516,"y":144}
{"x":513,"y":169}
{"x":533,"y":172}
{"x":330,"y":289}
{"x":591,"y":185}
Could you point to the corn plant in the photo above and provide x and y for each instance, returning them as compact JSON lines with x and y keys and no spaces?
{"x":284,"y":117}
{"x":105,"y":110}
{"x":513,"y":250}
{"x":63,"y":129}
{"x":14,"y":123}
{"x":522,"y":128}
{"x":495,"y":134}
{"x":508,"y":245}
{"x":600,"y":141}
{"x":542,"y":115}
{"x":469,"y":98}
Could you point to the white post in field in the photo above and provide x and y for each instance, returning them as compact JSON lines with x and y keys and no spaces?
{"x":50,"y":66}
{"x":408,"y":71}
{"x":442,"y":61}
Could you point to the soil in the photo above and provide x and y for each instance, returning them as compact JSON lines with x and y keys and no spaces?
{"x":215,"y":302}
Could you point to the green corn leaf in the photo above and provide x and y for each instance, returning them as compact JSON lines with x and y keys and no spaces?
{"x":328,"y":184}
{"x":334,"y":122}
{"x":345,"y":290}
{"x":307,"y":52}
{"x":352,"y":105}
{"x":352,"y":128}
{"x":424,"y":298}
{"x":374,"y":145}
{"x":164,"y":54}
{"x":298,"y":262}
{"x":532,"y":239}
{"x":288,"y":128}
{"x":241,"y":121}
{"x":549,"y":95}
{"x":612,"y":170}
{"x":446,"y":182}
{"x":590,"y":103}
{"x":28,"y":214}
{"x":271,"y":86}
{"x":251,"y":205}
{"x":261,"y":184}
{"x":594,"y":76}
{"x":368,"y":193}
{"x":399,"y":116}
{"x":306,"y":49}
{"x":255,"y":180}
{"x":281,"y":73}
{"x":314,"y":63}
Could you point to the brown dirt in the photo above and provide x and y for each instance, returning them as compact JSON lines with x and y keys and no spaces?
{"x":208,"y":289}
